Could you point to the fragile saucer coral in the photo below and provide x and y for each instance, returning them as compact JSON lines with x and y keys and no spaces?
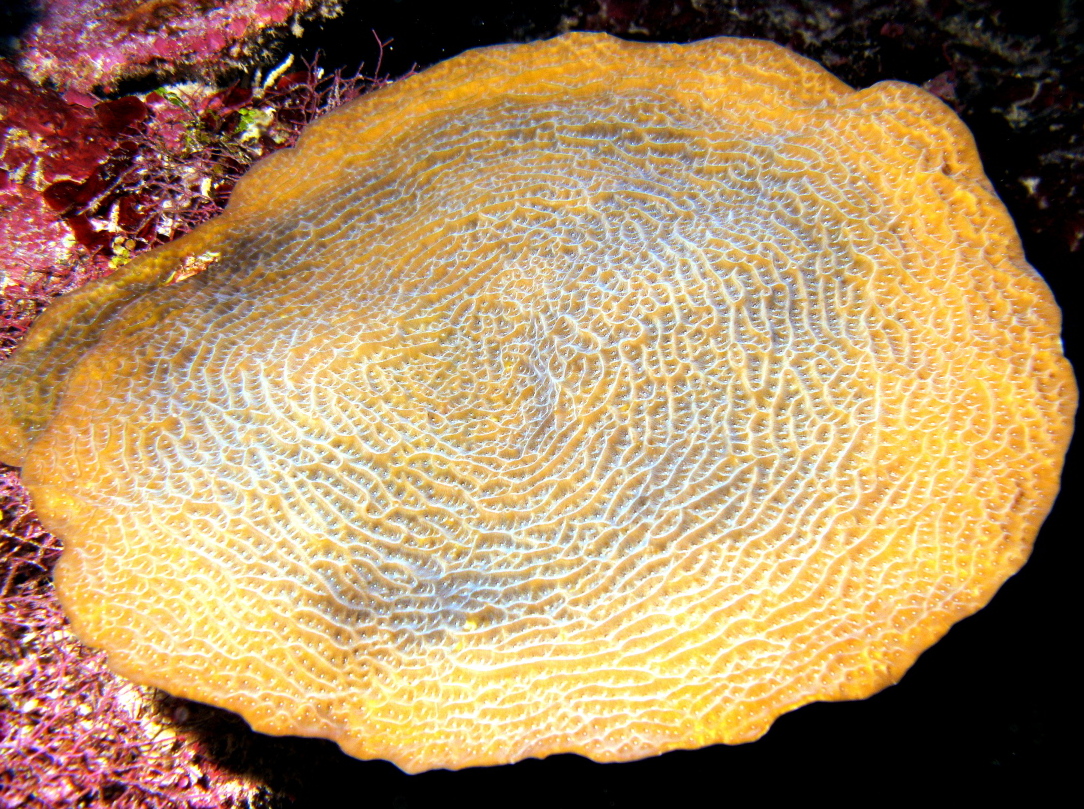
{"x":576,"y":396}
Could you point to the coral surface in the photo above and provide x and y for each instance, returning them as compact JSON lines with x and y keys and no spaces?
{"x":591,"y":425}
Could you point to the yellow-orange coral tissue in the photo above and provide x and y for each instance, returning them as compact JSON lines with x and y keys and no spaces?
{"x":578,"y":396}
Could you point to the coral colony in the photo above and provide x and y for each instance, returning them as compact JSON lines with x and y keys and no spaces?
{"x":86,"y":184}
{"x":440,"y":461}
{"x":92,"y":176}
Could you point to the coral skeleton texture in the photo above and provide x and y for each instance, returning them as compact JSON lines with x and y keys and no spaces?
{"x":576,"y":396}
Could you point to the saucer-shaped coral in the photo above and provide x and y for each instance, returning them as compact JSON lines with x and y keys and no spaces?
{"x":576,"y":396}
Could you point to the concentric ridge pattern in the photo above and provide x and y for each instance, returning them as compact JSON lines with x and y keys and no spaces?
{"x":575,"y":396}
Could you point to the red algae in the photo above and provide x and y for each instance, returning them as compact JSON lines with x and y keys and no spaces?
{"x":83,"y":44}
{"x":52,"y":150}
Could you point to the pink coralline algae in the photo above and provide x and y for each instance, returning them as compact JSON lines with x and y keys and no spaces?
{"x":50,"y":149}
{"x":82,"y":44}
